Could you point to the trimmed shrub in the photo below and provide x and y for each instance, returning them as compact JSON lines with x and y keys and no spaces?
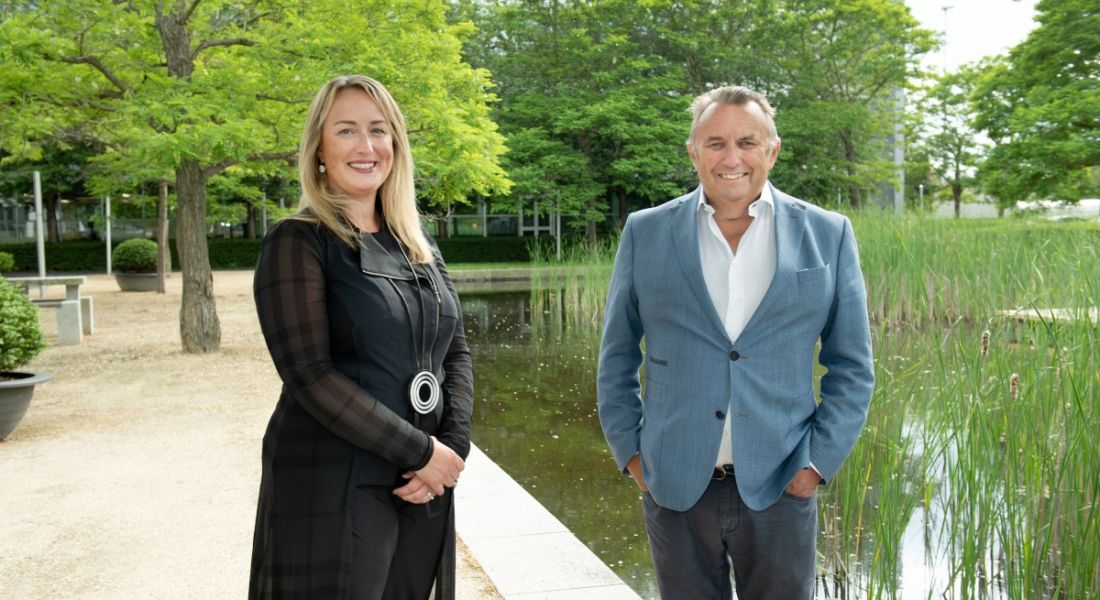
{"x":137,"y":255}
{"x":7,"y":262}
{"x":20,"y":334}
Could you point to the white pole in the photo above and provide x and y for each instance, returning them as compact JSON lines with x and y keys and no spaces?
{"x":557,"y":229}
{"x":920,"y":188}
{"x":38,"y":230}
{"x":107,"y":219}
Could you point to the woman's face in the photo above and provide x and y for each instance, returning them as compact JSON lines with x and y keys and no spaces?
{"x":356,"y":145}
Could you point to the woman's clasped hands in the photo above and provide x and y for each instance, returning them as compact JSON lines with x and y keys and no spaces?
{"x":427,"y":483}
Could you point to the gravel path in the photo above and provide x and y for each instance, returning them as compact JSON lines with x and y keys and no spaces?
{"x":136,"y":470}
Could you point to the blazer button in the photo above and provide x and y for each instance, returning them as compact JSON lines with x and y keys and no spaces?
{"x":721,"y":415}
{"x":734,"y":355}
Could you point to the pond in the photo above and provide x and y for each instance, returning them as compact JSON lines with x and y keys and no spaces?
{"x":937,"y":498}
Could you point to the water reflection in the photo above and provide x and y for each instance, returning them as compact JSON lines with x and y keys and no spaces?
{"x":535,"y":415}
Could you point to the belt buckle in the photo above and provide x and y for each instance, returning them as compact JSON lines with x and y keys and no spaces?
{"x":721,"y":472}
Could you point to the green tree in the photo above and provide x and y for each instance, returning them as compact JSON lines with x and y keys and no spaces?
{"x":591,"y":116}
{"x":840,"y":69}
{"x":1041,"y":108}
{"x":594,"y":94}
{"x":951,"y":145}
{"x":194,"y":87}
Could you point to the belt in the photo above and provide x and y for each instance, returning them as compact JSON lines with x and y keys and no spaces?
{"x":722,"y":472}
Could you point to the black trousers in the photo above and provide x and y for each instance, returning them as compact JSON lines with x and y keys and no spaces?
{"x":397,"y":546}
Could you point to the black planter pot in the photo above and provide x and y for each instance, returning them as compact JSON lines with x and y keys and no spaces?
{"x":15,"y":397}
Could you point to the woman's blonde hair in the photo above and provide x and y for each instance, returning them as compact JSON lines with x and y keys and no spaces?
{"x":321,"y":203}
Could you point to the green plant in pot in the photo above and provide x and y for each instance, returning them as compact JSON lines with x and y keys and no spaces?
{"x":134,"y":264}
{"x":20,"y":341}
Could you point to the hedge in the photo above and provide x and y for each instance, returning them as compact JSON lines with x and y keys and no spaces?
{"x":484,"y":249}
{"x":88,"y":257}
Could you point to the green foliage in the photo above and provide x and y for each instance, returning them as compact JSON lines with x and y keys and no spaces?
{"x":253,"y":71}
{"x":137,"y":255}
{"x":594,"y":103}
{"x":1041,"y":107}
{"x":183,"y":91}
{"x":839,"y":69}
{"x":7,"y":262}
{"x":590,"y":109}
{"x":947,"y":141}
{"x":20,"y":335}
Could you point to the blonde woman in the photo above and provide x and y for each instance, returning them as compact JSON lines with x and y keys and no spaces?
{"x":365,"y":330}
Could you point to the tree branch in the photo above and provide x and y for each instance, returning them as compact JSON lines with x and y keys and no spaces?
{"x":230,"y":42}
{"x":99,"y":66}
{"x":190,"y":9}
{"x":216,"y":168}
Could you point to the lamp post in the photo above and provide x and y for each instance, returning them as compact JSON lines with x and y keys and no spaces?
{"x":945,"y":8}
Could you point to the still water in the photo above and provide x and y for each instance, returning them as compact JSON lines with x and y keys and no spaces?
{"x":535,"y":416}
{"x":929,"y":504}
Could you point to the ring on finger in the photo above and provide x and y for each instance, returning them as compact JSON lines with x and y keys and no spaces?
{"x":431,"y":496}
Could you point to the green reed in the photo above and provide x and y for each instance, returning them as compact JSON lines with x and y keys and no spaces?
{"x":1012,"y":495}
{"x":980,"y":433}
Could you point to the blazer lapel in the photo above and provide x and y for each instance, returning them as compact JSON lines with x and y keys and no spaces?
{"x":790,"y":224}
{"x":685,"y":237}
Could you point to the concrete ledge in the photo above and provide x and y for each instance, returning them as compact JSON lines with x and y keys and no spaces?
{"x":526,"y":551}
{"x":1051,"y":315}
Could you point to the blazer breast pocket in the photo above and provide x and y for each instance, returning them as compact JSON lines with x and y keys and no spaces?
{"x":815,"y":285}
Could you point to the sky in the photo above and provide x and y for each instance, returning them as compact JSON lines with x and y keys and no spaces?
{"x":975,"y":28}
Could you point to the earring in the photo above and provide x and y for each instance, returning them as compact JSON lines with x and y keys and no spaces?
{"x":321,"y":167}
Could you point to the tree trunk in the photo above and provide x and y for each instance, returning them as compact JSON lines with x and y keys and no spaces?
{"x":854,"y":196}
{"x":956,"y":185}
{"x":200,"y":330}
{"x":622,"y":209}
{"x":443,"y":231}
{"x":250,"y":222}
{"x":590,"y":231}
{"x":164,"y":253}
{"x":53,"y":232}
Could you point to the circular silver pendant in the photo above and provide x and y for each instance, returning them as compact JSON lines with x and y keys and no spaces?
{"x":424,"y":392}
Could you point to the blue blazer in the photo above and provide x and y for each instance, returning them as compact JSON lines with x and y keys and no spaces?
{"x":694,"y":374}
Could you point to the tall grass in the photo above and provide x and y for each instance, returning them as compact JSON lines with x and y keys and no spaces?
{"x":1008,"y":463}
{"x":986,"y":448}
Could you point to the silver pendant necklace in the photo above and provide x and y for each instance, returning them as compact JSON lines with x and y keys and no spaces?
{"x":424,"y":392}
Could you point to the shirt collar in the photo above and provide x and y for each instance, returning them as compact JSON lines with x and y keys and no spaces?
{"x":764,"y":201}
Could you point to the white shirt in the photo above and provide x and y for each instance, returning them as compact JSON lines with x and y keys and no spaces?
{"x":737,"y":281}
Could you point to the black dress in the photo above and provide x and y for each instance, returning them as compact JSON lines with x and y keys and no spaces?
{"x":344,"y":330}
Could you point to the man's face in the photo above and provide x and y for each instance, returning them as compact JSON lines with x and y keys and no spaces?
{"x":732,"y":153}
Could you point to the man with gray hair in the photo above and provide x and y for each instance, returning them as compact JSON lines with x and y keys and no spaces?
{"x":731,"y":288}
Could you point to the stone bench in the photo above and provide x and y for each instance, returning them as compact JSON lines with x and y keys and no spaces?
{"x":87,"y":312}
{"x":74,"y":312}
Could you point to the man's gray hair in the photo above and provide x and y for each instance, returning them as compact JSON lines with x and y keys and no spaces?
{"x":735,"y":95}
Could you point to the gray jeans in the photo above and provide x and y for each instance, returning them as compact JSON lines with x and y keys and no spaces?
{"x":772,"y":551}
